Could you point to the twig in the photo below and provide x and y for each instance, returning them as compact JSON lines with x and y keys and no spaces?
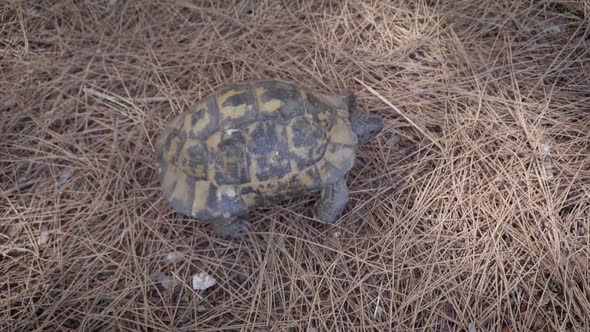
{"x":423,"y":131}
{"x":184,"y":284}
{"x":112,"y":98}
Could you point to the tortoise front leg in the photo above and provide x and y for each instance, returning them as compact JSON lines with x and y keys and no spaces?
{"x":348,"y":99}
{"x":230,"y":227}
{"x":332,"y":201}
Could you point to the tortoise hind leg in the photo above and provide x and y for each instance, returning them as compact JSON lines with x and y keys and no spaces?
{"x":230,"y":227}
{"x":332,"y":201}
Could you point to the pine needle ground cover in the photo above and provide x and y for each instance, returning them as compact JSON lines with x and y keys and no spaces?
{"x":469,"y":212}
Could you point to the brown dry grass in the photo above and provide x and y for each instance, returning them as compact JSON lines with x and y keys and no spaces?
{"x":488,"y":231}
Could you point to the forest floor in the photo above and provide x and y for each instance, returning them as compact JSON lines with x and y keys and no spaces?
{"x":470,"y":211}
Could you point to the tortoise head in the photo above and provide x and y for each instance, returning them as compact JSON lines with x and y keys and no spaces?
{"x":365,"y":126}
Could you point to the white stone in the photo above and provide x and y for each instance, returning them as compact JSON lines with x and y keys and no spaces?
{"x":171,"y":257}
{"x":43,"y":238}
{"x":203,"y":281}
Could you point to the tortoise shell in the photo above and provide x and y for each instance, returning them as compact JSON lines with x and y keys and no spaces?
{"x":252,"y":144}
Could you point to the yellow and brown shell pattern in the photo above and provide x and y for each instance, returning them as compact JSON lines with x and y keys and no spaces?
{"x":252,"y":144}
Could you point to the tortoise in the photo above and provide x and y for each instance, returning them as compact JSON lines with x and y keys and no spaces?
{"x":257,"y":143}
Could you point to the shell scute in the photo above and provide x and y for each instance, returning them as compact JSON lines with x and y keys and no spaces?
{"x":229,"y":158}
{"x":252,"y":195}
{"x":268,"y":151}
{"x":278,"y":99}
{"x":307,"y":180}
{"x":340,"y":156}
{"x":321,"y":110}
{"x":307,"y":141}
{"x":172,"y":145}
{"x":203,"y":121}
{"x":193,"y":159}
{"x":237,"y":105}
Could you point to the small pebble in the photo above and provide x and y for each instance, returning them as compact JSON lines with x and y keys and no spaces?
{"x":164,"y":280}
{"x":171,"y":257}
{"x":65,"y":176}
{"x":43,"y":238}
{"x":203,"y":281}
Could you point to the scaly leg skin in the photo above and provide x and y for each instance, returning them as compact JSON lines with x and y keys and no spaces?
{"x":230,"y":227}
{"x":332,"y":201}
{"x":349,"y":100}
